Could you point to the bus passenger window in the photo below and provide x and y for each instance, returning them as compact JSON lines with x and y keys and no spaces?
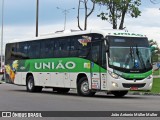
{"x":84,"y":49}
{"x":10,"y":51}
{"x":34,"y":50}
{"x":74,"y":47}
{"x":47,"y":49}
{"x":22,"y":50}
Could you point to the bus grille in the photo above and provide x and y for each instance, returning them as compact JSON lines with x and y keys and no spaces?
{"x":133,"y":85}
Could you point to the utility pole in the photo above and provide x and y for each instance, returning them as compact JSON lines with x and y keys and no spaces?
{"x":2,"y":36}
{"x":37,"y":12}
{"x":65,"y":11}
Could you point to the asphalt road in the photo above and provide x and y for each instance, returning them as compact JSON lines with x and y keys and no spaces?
{"x":15,"y":98}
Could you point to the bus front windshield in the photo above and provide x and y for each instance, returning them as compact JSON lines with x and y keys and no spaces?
{"x":129,"y":54}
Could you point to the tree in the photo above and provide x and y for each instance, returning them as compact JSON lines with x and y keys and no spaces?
{"x":117,"y":10}
{"x":154,"y":47}
{"x":155,"y":50}
{"x":87,"y":12}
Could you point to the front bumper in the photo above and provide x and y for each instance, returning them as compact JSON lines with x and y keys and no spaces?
{"x":123,"y":84}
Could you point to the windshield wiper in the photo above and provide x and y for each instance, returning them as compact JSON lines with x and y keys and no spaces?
{"x":131,"y":52}
{"x":133,"y":59}
{"x":130,"y":56}
{"x":139,"y":55}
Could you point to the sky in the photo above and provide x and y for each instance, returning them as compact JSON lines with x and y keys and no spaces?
{"x":20,"y":18}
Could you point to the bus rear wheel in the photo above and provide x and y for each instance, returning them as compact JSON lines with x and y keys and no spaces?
{"x":83,"y":87}
{"x":119,"y":93}
{"x":31,"y":86}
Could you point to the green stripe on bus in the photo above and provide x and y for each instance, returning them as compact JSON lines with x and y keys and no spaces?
{"x":58,"y":65}
{"x":133,"y":75}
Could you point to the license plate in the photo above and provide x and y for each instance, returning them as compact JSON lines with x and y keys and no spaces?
{"x":134,"y":88}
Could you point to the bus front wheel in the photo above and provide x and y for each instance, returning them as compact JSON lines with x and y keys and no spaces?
{"x":83,"y":87}
{"x":119,"y":93}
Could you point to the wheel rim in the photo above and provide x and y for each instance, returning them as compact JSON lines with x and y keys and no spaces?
{"x":85,"y":87}
{"x":30,"y":84}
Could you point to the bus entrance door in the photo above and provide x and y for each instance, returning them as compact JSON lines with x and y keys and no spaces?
{"x":94,"y":65}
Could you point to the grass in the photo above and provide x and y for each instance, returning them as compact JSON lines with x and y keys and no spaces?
{"x":157,"y":72}
{"x":156,"y":86}
{"x":156,"y":83}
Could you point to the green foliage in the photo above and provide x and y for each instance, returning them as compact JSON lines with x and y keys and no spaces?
{"x":155,"y":50}
{"x":117,"y":9}
{"x":103,"y":16}
{"x":156,"y":72}
{"x":154,"y":58}
{"x":156,"y":86}
{"x":154,"y":47}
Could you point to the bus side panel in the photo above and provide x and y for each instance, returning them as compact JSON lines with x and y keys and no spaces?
{"x":89,"y":80}
{"x":73,"y":79}
{"x":104,"y":81}
{"x":57,"y":79}
{"x":18,"y":77}
{"x":10,"y":72}
{"x":23,"y":78}
{"x":37,"y":80}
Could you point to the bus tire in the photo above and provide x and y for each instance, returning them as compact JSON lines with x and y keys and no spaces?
{"x":119,"y":93}
{"x":30,"y":84}
{"x":83,"y":87}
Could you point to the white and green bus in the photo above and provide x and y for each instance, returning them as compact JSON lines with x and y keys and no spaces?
{"x":90,"y":61}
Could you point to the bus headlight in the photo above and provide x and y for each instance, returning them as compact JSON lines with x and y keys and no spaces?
{"x":114,"y":84}
{"x":113,"y":75}
{"x":150,"y":85}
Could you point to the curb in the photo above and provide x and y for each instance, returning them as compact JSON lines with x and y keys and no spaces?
{"x":157,"y":76}
{"x":1,"y":82}
{"x":143,"y":93}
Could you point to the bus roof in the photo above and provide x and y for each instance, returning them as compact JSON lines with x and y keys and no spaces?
{"x":104,"y":32}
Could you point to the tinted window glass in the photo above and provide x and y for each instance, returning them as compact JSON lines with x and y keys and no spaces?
{"x":34,"y":49}
{"x":57,"y":48}
{"x":128,"y":41}
{"x":62,"y":47}
{"x":74,"y":47}
{"x":10,"y":52}
{"x":22,"y":50}
{"x":84,"y":46}
{"x":47,"y":48}
{"x":65,"y":46}
{"x":96,"y":52}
